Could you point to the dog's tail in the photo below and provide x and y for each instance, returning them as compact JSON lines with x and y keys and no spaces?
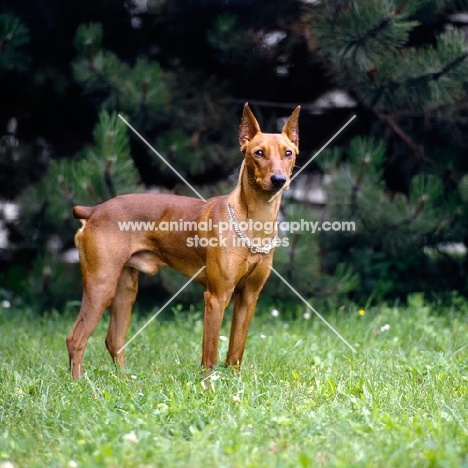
{"x":82,"y":212}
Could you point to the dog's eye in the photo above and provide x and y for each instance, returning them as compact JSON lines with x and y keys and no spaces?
{"x":259,"y":153}
{"x":288,"y":154}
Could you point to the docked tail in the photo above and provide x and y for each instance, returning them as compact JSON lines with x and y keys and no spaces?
{"x":82,"y":212}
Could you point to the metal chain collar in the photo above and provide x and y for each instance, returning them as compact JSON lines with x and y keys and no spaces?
{"x":254,"y":249}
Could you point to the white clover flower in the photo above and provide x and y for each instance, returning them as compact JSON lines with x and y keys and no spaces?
{"x":130,"y":437}
{"x":7,"y":464}
{"x":275,"y":313}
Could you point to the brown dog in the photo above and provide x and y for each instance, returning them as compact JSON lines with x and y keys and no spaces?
{"x":111,"y":257}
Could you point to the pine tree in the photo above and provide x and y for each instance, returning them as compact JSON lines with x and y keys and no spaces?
{"x":404,"y":188}
{"x":15,"y":157}
{"x":184,"y":108}
{"x":14,"y":35}
{"x":181,"y":80}
{"x":158,"y":106}
{"x":97,"y":174}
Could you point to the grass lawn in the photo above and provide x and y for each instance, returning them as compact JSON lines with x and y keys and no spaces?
{"x":303,"y":399}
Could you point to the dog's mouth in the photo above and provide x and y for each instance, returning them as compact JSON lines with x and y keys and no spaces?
{"x":272,"y":187}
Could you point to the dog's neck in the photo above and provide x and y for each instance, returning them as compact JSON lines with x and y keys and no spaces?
{"x":251,"y":202}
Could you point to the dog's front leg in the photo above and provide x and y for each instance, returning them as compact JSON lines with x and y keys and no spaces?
{"x":216,"y":302}
{"x":245,"y":301}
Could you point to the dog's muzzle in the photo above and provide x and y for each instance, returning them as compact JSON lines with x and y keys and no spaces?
{"x":278,"y":180}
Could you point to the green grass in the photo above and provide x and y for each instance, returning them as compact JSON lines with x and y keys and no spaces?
{"x":303,"y":399}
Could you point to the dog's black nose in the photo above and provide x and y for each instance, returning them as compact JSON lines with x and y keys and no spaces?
{"x":278,"y":180}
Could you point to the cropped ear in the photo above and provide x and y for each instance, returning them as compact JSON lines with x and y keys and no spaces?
{"x":291,"y":127}
{"x":248,"y":127}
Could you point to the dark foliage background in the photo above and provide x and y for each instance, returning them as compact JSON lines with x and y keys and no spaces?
{"x":180,"y":70}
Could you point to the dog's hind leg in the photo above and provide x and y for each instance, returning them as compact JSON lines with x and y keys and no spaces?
{"x":95,"y":300}
{"x":120,"y":314}
{"x":101,"y":270}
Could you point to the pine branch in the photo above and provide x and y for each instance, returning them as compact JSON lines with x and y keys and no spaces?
{"x":419,"y":207}
{"x":430,"y":110}
{"x":450,"y":222}
{"x":144,"y":91}
{"x":390,"y":122}
{"x":65,"y":190}
{"x":92,"y":194}
{"x":424,"y":78}
{"x":5,"y":41}
{"x":90,"y":55}
{"x":13,"y":35}
{"x":374,"y":30}
{"x":359,"y":178}
{"x":107,"y":176}
{"x":450,"y":66}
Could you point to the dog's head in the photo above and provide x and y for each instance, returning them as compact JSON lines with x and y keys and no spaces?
{"x":269,"y":157}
